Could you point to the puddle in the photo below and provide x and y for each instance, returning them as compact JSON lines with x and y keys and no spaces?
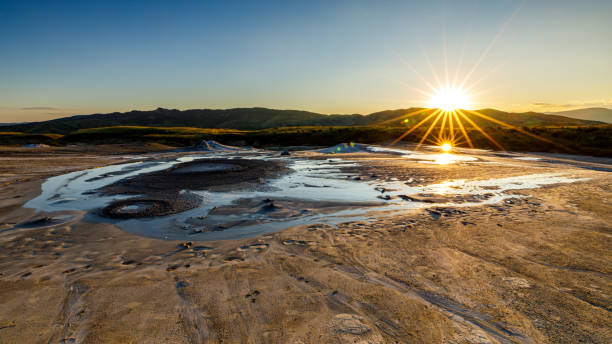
{"x":440,"y":159}
{"x":316,"y":191}
{"x":527,"y":158}
{"x":427,"y":158}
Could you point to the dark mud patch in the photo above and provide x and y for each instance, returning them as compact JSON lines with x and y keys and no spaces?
{"x":201,"y":168}
{"x":204,"y":174}
{"x":164,"y":190}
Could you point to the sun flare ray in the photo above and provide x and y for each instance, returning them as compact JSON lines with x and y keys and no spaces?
{"x":444,"y":117}
{"x":520,"y":130}
{"x":493,"y":41}
{"x":407,"y":64}
{"x":405,"y":116}
{"x":460,"y":63}
{"x":431,"y":67}
{"x":433,"y":124}
{"x":465,"y":135}
{"x":414,"y":127}
{"x":477,"y":127}
{"x":450,"y":125}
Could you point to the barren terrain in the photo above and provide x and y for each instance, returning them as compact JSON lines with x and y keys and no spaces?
{"x":533,"y":268}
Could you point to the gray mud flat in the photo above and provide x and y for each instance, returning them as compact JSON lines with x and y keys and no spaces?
{"x":223,"y":198}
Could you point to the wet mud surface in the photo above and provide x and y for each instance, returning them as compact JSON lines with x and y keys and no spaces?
{"x":165,"y":190}
{"x":209,"y":174}
{"x":151,"y":206}
{"x":220,"y":196}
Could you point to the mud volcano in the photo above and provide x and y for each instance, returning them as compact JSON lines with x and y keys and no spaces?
{"x":149,"y":207}
{"x":165,"y":191}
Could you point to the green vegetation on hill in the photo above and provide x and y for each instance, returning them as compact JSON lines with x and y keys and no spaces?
{"x":264,"y":128}
{"x":285,"y":136}
{"x":17,"y":138}
{"x":590,"y":140}
{"x":262,"y":118}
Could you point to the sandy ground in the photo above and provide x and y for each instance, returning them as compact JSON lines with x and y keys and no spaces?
{"x":533,"y":270}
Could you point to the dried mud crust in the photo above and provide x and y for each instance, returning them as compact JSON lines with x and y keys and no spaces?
{"x":242,"y":171}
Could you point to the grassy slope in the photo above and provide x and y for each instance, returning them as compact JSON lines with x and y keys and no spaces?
{"x":17,"y":138}
{"x":592,"y":140}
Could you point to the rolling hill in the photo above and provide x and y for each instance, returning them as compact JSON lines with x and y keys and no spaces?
{"x":593,"y":114}
{"x":263,"y":118}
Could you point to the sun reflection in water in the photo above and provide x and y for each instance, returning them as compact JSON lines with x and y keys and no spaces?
{"x":446,"y":187}
{"x":445,"y":158}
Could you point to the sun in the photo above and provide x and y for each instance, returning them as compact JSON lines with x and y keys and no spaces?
{"x":446,"y":147}
{"x":449,"y":99}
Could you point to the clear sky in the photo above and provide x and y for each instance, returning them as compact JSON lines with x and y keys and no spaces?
{"x":66,"y":57}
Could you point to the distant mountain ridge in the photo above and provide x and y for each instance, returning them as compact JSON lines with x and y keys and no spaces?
{"x":263,"y":118}
{"x":593,"y":114}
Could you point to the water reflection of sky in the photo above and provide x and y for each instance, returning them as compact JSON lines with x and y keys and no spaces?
{"x":441,"y":158}
{"x":428,"y":158}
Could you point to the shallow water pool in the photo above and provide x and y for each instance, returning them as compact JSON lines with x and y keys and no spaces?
{"x":297,"y":193}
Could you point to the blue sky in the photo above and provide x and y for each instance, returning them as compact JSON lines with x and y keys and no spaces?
{"x":66,"y":57}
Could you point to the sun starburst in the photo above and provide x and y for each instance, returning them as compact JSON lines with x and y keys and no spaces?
{"x":449,"y":107}
{"x":449,"y":99}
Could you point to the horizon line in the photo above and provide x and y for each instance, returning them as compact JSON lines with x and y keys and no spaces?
{"x":67,"y":115}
